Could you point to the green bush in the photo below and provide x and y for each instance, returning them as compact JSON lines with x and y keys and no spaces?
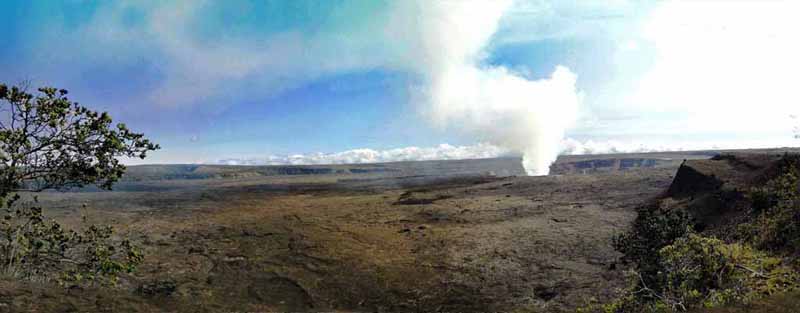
{"x":702,"y":272}
{"x":775,"y":220}
{"x":706,"y":272}
{"x":676,"y":269}
{"x":33,"y":247}
{"x":652,"y":230}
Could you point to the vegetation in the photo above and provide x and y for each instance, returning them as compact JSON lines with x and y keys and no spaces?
{"x":775,"y":218}
{"x":652,"y":230}
{"x":703,"y":272}
{"x":50,"y":142}
{"x":677,"y":269}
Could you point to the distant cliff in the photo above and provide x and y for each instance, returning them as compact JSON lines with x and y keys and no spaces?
{"x":590,"y":164}
{"x":490,"y":167}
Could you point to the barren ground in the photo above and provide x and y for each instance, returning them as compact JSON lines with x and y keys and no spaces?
{"x":355,"y":243}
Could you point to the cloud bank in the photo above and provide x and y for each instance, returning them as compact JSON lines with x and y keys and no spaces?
{"x":441,"y":152}
{"x":570,"y":146}
{"x":567,"y":146}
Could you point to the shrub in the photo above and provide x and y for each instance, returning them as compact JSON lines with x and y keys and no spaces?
{"x":702,"y":272}
{"x":652,"y":230}
{"x":676,"y":269}
{"x":706,"y":272}
{"x":775,"y":220}
{"x":36,"y":248}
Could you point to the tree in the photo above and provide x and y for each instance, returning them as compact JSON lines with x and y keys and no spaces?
{"x":50,"y":142}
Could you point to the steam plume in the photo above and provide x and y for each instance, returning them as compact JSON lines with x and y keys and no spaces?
{"x":491,"y":103}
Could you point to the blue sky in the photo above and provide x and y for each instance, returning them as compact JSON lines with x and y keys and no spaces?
{"x":212,"y":80}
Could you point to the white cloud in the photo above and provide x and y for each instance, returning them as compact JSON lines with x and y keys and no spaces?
{"x":568,"y":146}
{"x":441,"y":152}
{"x":739,"y":61}
{"x":715,"y":67}
{"x":534,"y":20}
{"x":224,"y":69}
{"x":442,"y":42}
{"x":489,"y":103}
{"x":573,"y":146}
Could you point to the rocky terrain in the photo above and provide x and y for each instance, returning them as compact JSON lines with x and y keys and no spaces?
{"x":448,"y":236}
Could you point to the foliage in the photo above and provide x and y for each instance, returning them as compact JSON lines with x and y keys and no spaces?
{"x":652,"y":230}
{"x":705,"y":272}
{"x":50,"y":142}
{"x":676,"y":269}
{"x":775,"y":224}
{"x":29,"y":245}
{"x":702,"y":272}
{"x":33,"y":247}
{"x":96,"y":258}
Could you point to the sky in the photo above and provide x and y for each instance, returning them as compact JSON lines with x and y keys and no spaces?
{"x":292,"y":82}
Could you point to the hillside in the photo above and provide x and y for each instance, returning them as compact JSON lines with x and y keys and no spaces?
{"x":724,"y":235}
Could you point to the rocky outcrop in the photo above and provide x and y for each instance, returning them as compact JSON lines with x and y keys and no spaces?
{"x":715,"y":191}
{"x":692,"y":179}
{"x":726,"y":172}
